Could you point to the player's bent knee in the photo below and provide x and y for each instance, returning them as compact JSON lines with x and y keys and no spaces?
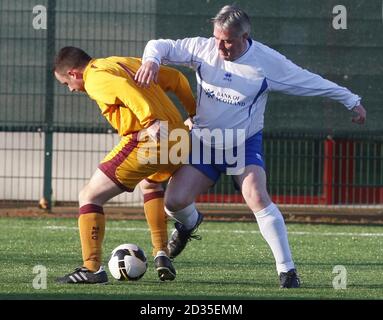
{"x":152,"y":186}
{"x":257,"y":199}
{"x":176,"y":201}
{"x":82,"y":195}
{"x":86,"y":195}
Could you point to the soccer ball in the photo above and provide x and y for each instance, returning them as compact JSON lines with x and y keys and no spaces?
{"x":128,"y":262}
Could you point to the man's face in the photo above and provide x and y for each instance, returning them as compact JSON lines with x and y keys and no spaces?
{"x":229,"y":46}
{"x":72,"y":79}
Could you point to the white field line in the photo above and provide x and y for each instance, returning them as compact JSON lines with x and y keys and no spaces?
{"x":298,"y":233}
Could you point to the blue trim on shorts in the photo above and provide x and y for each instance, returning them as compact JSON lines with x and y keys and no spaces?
{"x":253,"y":155}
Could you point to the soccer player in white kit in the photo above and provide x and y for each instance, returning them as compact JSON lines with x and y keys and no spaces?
{"x":234,"y":77}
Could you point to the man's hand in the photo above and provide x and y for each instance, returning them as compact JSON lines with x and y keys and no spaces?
{"x":360,"y":114}
{"x":157,"y":131}
{"x":189,"y":123}
{"x":146,"y":73}
{"x":154,"y":130}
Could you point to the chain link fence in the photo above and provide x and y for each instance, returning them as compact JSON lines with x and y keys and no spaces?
{"x":51,"y":140}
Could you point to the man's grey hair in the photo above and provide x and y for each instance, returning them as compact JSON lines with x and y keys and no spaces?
{"x":233,"y":17}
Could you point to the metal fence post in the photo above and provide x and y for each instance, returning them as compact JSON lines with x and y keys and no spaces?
{"x":49,"y":103}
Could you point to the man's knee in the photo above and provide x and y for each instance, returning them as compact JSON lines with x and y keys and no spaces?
{"x":175,"y":201}
{"x":256,"y":198}
{"x":87,"y":195}
{"x":83,"y":195}
{"x":148,"y":186}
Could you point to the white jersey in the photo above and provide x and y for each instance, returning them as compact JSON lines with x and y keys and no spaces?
{"x":233,"y":94}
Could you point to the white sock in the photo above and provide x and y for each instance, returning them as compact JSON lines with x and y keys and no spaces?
{"x":273,"y":230}
{"x":187,"y":216}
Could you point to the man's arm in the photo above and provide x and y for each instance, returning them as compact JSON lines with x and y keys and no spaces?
{"x":171,"y":79}
{"x":177,"y":52}
{"x":284,"y":76}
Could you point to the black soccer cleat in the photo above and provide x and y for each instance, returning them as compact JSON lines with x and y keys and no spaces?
{"x":180,"y":237}
{"x":289,"y":279}
{"x":84,"y":275}
{"x":164,"y":267}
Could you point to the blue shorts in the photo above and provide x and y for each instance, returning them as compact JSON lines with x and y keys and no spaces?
{"x":253,"y":154}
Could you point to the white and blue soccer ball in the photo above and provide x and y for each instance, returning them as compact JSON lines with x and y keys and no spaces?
{"x":128,"y":262}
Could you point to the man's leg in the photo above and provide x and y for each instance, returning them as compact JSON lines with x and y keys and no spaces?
{"x":183,"y":188}
{"x":157,"y":222}
{"x":92,"y":220}
{"x":155,"y":214}
{"x":91,"y":224}
{"x":270,"y":220}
